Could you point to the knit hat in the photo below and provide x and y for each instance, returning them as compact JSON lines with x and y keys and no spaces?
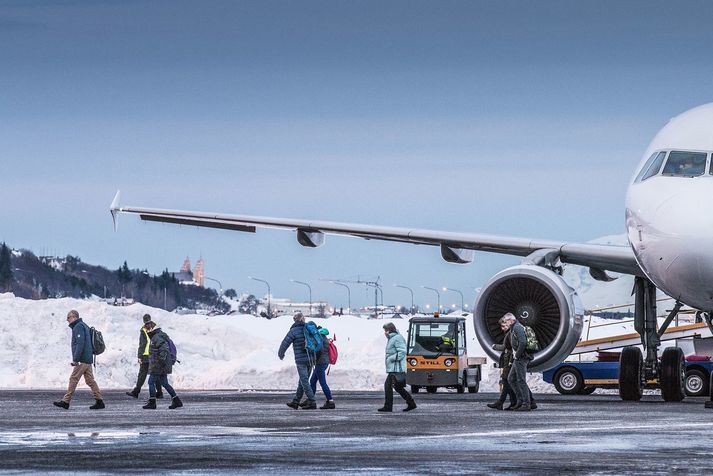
{"x":147,"y":318}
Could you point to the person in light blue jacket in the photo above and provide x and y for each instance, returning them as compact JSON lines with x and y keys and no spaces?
{"x":395,"y":369}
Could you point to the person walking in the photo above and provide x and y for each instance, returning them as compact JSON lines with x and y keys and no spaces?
{"x":303,"y":361}
{"x":517,"y":378}
{"x":319,"y":372}
{"x":160,"y":366}
{"x":395,"y":369}
{"x":505,"y":364}
{"x":143,"y":355}
{"x":82,"y":358}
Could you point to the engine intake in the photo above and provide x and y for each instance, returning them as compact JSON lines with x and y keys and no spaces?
{"x":539,"y":298}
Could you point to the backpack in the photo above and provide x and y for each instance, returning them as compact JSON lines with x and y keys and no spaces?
{"x":531,"y":342}
{"x":97,"y":341}
{"x":173,"y":350}
{"x":333,"y":353}
{"x":313,"y":339}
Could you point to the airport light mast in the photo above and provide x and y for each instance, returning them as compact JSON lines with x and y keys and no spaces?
{"x":462,"y":301}
{"x":349,"y":295}
{"x":409,"y":290}
{"x":269,"y":311}
{"x":310,"y":293}
{"x":437,"y":294}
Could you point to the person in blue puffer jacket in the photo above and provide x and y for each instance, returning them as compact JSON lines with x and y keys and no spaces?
{"x":303,"y":361}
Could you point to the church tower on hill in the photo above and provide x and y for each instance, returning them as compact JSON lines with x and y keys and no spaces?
{"x":199,"y":273}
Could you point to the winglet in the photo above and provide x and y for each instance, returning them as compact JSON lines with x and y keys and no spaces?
{"x":114,"y":209}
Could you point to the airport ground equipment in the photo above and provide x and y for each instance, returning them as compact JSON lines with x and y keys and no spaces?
{"x":582,"y":378}
{"x":437,"y":356}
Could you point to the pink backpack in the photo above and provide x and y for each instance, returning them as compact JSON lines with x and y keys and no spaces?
{"x":333,"y":353}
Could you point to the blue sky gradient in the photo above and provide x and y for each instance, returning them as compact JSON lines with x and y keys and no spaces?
{"x":522,"y":118}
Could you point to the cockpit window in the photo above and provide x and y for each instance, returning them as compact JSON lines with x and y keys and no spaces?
{"x":685,"y":164}
{"x":652,"y":166}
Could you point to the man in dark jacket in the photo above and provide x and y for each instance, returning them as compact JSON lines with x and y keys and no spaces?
{"x":143,"y":355}
{"x":160,"y":366}
{"x":303,"y":361}
{"x":521,"y":357}
{"x":505,"y":365}
{"x":82,"y":358}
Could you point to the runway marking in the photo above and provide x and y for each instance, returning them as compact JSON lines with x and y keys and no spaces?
{"x":659,"y":426}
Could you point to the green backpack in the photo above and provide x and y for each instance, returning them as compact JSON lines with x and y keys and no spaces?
{"x":531,"y":342}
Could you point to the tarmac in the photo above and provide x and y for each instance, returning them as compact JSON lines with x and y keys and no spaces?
{"x":449,"y":433}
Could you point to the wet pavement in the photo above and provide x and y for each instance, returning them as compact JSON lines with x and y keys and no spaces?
{"x":223,"y":432}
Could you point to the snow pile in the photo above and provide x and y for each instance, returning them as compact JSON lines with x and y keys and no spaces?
{"x":219,"y":352}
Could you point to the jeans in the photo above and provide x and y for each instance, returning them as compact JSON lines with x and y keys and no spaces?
{"x":303,"y":388}
{"x":518,"y":381}
{"x":397,"y":381}
{"x":159,"y":380}
{"x":319,"y":374}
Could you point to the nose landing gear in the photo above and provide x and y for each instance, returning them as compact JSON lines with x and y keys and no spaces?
{"x":634,"y":369}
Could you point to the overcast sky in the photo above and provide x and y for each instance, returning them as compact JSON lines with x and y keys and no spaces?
{"x":521,"y":118}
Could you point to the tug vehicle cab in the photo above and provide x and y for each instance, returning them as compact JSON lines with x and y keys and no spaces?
{"x":437,"y":355}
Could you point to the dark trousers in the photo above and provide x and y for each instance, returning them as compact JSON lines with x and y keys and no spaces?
{"x":319,"y":373}
{"x":141,"y":378}
{"x":517,"y":378}
{"x":156,"y":381}
{"x":507,"y":391}
{"x":395,"y":381}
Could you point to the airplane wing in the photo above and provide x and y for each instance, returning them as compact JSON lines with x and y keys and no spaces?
{"x":455,"y":247}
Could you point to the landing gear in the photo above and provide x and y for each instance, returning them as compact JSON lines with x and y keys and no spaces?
{"x":634,"y":369}
{"x":631,"y":374}
{"x":673,"y":375}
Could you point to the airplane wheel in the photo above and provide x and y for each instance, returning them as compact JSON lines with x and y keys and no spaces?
{"x":431,"y":389}
{"x":631,"y":372}
{"x":474,"y":388}
{"x":415,"y":388}
{"x":673,"y":375}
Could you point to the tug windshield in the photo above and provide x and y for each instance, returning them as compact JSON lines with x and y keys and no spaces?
{"x":432,"y":339}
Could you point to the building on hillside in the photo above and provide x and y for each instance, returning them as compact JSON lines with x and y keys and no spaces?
{"x":191,"y":278}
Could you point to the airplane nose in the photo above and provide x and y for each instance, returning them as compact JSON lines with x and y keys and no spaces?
{"x":680,"y":249}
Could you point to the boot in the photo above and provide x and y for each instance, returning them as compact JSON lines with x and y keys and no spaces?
{"x":150,"y":405}
{"x":525,"y":407}
{"x":311,"y":405}
{"x":496,"y":406}
{"x":409,"y":406}
{"x":533,"y":405}
{"x":384,"y":409}
{"x":516,"y":406}
{"x":510,"y":407}
{"x":61,"y":404}
{"x":304,"y":404}
{"x":328,"y":405}
{"x":175,"y":403}
{"x":98,"y":405}
{"x":133,"y":393}
{"x":294,"y":405}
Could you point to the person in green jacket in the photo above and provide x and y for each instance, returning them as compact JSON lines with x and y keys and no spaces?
{"x":395,"y":369}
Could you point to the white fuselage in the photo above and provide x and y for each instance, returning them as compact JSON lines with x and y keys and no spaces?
{"x":668,"y":214}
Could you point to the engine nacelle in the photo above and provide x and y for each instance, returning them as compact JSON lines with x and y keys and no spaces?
{"x":539,"y":298}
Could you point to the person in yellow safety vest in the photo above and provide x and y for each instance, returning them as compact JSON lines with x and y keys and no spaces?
{"x":447,"y":340}
{"x":143,"y":355}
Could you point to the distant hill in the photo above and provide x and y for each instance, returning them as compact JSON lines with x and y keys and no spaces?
{"x":36,"y":277}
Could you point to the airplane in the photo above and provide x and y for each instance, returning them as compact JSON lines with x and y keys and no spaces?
{"x":669,"y":248}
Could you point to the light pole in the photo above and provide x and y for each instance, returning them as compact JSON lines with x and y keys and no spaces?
{"x":269,"y":312}
{"x":437,"y":294}
{"x":219,"y":284}
{"x":310,"y":293}
{"x":462,"y":301}
{"x":409,"y":290}
{"x":349,"y":295}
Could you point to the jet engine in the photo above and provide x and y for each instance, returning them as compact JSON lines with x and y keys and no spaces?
{"x":539,"y":298}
